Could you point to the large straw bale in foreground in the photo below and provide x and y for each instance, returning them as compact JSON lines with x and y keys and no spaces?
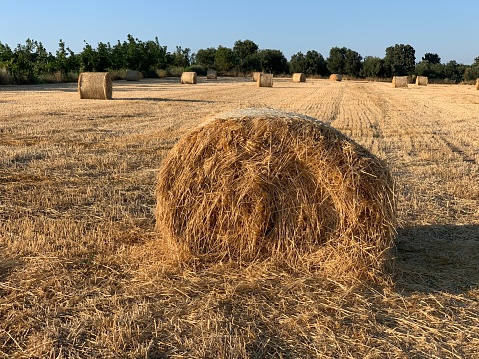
{"x":188,"y":78}
{"x":421,"y":80}
{"x":399,"y":81}
{"x":261,"y":183}
{"x":133,"y":75}
{"x":265,"y":80}
{"x":299,"y":77}
{"x":95,"y":85}
{"x":335,"y":77}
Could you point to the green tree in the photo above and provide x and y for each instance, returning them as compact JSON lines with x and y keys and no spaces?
{"x":273,"y":61}
{"x":400,"y":60}
{"x":454,"y":72}
{"x":153,"y":55}
{"x":88,"y":58}
{"x":352,"y":63}
{"x":224,"y":59}
{"x":297,"y":63}
{"x":118,"y":56}
{"x":336,"y":60}
{"x":103,"y":57}
{"x":132,"y":53}
{"x":471,"y":73}
{"x":29,"y":61}
{"x":311,"y":64}
{"x":315,"y":63}
{"x":373,"y":67}
{"x":181,"y":57}
{"x":6,"y":54}
{"x":62,"y":58}
{"x":246,"y":53}
{"x":431,"y":58}
{"x":206,"y":57}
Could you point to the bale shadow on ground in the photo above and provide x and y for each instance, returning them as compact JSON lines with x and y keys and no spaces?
{"x":437,"y":258}
{"x":160,"y":99}
{"x":7,"y":265}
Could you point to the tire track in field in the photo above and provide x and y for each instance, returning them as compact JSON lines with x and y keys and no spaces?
{"x":358,"y":115}
{"x":428,"y":126}
{"x":457,"y":150}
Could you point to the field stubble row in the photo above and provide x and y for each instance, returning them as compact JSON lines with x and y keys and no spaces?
{"x":80,"y":275}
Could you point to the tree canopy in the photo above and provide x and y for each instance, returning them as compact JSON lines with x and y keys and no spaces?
{"x":30,"y":62}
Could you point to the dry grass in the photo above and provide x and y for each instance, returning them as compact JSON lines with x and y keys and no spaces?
{"x":421,"y":80}
{"x":95,"y":85}
{"x":265,"y":80}
{"x":81,"y":274}
{"x":189,"y":78}
{"x":255,"y":76}
{"x":260,"y":183}
{"x":335,"y":77}
{"x":299,"y":77}
{"x":399,"y":81}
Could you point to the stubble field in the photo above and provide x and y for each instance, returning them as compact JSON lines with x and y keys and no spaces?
{"x":81,"y":274}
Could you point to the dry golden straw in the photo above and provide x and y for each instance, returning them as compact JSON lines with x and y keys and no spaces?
{"x":265,"y":80}
{"x":261,"y":183}
{"x":477,"y":84}
{"x":335,"y":77}
{"x":211,"y":74}
{"x":256,"y":76}
{"x":188,"y":78}
{"x":95,"y":85}
{"x":421,"y":80}
{"x":299,"y":77}
{"x":132,"y":75}
{"x":399,"y":81}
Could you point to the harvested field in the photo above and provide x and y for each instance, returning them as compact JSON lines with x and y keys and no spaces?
{"x":81,"y":274}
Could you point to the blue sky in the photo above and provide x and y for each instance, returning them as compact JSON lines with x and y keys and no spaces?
{"x":448,"y":28}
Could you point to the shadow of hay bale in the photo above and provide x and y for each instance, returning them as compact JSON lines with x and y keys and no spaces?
{"x":7,"y":265}
{"x":437,"y":258}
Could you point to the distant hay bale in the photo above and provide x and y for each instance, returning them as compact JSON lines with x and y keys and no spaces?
{"x":299,"y":77}
{"x":335,"y":77}
{"x":132,"y":75}
{"x":399,"y":81}
{"x":188,"y":78}
{"x":211,"y":74}
{"x":265,"y":80}
{"x":421,"y":80}
{"x":95,"y":85}
{"x":477,"y":84}
{"x":260,"y":183}
{"x":256,"y":76}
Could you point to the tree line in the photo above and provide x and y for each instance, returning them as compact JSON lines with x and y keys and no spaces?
{"x":32,"y":63}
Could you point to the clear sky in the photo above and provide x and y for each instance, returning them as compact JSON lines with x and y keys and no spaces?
{"x":448,"y":28}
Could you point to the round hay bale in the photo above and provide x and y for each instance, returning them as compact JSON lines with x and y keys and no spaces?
{"x":477,"y":84}
{"x":95,"y":85}
{"x":399,"y":81}
{"x":256,"y":76}
{"x":335,"y":77}
{"x":188,"y":78}
{"x":299,"y":77}
{"x":261,"y":183}
{"x":265,"y":80}
{"x":421,"y":80}
{"x":132,"y":75}
{"x":211,"y":75}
